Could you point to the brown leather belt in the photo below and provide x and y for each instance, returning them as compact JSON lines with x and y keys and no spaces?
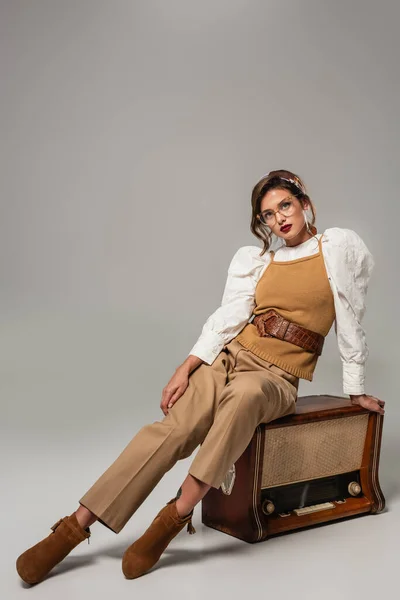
{"x":272,"y":324}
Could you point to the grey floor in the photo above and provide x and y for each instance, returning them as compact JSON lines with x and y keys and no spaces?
{"x":69,"y":408}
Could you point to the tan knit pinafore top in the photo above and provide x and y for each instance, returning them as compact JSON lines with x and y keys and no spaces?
{"x":299,"y":290}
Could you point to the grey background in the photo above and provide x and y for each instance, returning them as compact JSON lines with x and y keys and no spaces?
{"x":132,"y":134}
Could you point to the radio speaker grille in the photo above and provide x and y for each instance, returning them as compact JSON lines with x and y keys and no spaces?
{"x":312,"y":450}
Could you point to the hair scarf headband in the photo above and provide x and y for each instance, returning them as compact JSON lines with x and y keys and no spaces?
{"x":296,"y":182}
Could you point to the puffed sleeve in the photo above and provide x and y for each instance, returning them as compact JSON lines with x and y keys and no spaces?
{"x":237,"y":303}
{"x":349,"y":264}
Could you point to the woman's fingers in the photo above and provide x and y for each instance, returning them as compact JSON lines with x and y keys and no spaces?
{"x":175,"y":397}
{"x":170,"y":397}
{"x":380,"y":402}
{"x":376,"y":406}
{"x":166,"y":398}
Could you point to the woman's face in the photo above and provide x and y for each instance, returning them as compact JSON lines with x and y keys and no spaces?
{"x":292,"y":214}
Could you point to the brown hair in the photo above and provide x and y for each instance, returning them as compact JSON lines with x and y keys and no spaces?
{"x":274,"y":181}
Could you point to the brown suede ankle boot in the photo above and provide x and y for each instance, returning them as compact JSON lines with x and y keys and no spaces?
{"x":145,"y":552}
{"x":36,"y":562}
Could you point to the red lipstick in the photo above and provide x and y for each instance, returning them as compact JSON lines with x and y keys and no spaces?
{"x":286,"y":228}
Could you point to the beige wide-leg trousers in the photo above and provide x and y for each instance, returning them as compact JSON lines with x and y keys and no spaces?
{"x":219,"y":410}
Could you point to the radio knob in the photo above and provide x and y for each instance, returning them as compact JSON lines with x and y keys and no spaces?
{"x":268,"y":507}
{"x":354,"y":488}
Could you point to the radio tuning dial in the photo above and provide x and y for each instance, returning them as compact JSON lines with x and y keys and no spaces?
{"x":354,"y":488}
{"x":268,"y":507}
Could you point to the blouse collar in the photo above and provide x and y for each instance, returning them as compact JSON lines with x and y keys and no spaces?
{"x":302,"y":245}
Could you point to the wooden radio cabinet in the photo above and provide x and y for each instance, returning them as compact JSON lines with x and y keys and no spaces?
{"x":314,"y":466}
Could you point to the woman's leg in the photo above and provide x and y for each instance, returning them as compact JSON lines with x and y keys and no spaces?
{"x":85,"y":517}
{"x":255,"y":394}
{"x":192,"y":491}
{"x":122,"y":488}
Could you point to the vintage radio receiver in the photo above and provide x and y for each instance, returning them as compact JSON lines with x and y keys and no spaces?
{"x":314,"y":466}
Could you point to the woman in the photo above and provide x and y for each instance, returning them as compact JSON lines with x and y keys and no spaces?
{"x":237,"y":375}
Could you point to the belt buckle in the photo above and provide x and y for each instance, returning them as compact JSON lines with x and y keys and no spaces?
{"x":263,"y":317}
{"x":282,"y":330}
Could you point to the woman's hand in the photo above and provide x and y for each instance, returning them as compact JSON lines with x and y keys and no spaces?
{"x":369,"y":402}
{"x":175,"y":388}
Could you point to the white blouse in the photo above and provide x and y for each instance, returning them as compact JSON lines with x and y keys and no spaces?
{"x":349,"y":265}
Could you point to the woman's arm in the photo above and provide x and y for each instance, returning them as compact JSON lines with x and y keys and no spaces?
{"x":238,"y":302}
{"x":191,"y":363}
{"x":227,"y":321}
{"x":350,"y":264}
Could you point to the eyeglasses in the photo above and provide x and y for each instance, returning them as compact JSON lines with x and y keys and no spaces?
{"x":286,"y":208}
